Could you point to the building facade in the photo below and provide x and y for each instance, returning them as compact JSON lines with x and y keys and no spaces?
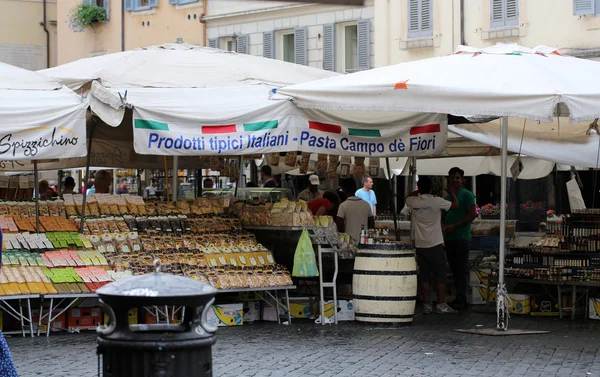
{"x":27,"y":39}
{"x":336,"y":38}
{"x":416,"y":29}
{"x":136,"y":23}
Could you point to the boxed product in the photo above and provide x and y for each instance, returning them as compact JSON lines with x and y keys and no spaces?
{"x":81,"y":318}
{"x":269,"y":313}
{"x":478,"y":277}
{"x":152,"y":320}
{"x":251,"y":311}
{"x":57,"y":324}
{"x":345,"y":310}
{"x":226,"y":315}
{"x":133,"y":317}
{"x":544,"y":305}
{"x":519,"y":303}
{"x":594,"y":309}
{"x":480,"y":295}
{"x":300,"y":307}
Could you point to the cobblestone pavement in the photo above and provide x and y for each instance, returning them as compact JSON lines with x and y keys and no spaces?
{"x":428,"y":348}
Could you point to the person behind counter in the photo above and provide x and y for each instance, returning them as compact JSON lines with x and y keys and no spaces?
{"x":102,"y":180}
{"x":266,"y":176}
{"x":123,"y":188}
{"x":457,"y":234}
{"x":208,"y":183}
{"x":367,"y":194}
{"x":44,"y":189}
{"x":68,"y":186}
{"x":354,"y":213}
{"x":312,"y":192}
{"x":325,"y":206}
{"x":429,"y":241}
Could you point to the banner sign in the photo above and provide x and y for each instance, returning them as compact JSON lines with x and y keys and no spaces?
{"x":290,"y":133}
{"x":59,"y":139}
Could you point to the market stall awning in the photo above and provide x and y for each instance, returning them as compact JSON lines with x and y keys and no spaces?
{"x":190,"y":100}
{"x":41,"y":119}
{"x":502,"y":80}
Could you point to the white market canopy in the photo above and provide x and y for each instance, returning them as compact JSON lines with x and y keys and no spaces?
{"x":190,"y":101}
{"x":41,"y":119}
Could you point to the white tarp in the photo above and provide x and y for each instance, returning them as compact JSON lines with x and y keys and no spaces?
{"x":191,"y":100}
{"x":502,"y":80}
{"x":562,"y":143}
{"x":40,"y":118}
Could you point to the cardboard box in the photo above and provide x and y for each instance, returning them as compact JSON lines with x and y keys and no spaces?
{"x":479,"y":277}
{"x":594,"y":309}
{"x":150,"y":317}
{"x":133,"y":317}
{"x":544,"y":305}
{"x":480,"y":295}
{"x":345,"y":310}
{"x":226,"y":315}
{"x":269,"y":313}
{"x":57,"y":324}
{"x":251,"y":311}
{"x":300,"y":307}
{"x":82,"y":318}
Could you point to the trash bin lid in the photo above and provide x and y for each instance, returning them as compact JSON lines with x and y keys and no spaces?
{"x":157,"y":285}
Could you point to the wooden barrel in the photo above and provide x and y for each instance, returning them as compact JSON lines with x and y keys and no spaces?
{"x":385,"y":284}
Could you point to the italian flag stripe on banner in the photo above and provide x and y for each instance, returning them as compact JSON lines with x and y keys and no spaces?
{"x":331,"y":128}
{"x":151,"y":125}
{"x":261,"y":126}
{"x":363,"y":132}
{"x":224,"y":129}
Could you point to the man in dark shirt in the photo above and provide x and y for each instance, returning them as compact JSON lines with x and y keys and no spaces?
{"x":267,"y":177}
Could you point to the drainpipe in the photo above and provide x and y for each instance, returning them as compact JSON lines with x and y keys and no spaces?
{"x":462,"y":23}
{"x":204,"y":12}
{"x":43,"y":24}
{"x":123,"y":25}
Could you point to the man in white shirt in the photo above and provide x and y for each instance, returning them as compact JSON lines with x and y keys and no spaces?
{"x":429,"y":241}
{"x":367,"y":194}
{"x":354,"y":214}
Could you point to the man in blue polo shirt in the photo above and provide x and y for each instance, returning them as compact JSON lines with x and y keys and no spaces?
{"x":367,"y":194}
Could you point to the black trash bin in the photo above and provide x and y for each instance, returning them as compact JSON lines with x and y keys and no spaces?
{"x":156,"y":350}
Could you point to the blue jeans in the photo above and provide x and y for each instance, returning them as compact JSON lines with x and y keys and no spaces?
{"x":457,"y":253}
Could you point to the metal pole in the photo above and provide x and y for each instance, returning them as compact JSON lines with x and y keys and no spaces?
{"x":37,"y":196}
{"x":500,"y":302}
{"x":175,"y":185}
{"x":241,"y":182}
{"x":87,"y":176}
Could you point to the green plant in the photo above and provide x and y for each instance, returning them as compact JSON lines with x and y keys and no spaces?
{"x":84,"y":15}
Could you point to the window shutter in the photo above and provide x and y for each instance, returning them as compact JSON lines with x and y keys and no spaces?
{"x":300,"y":46}
{"x":89,"y":2}
{"x":583,"y":7}
{"x":413,"y":19}
{"x":364,"y":44}
{"x":173,"y":2}
{"x":128,"y":4}
{"x":329,"y":47}
{"x":241,"y":45}
{"x":213,"y":42}
{"x":497,"y":13}
{"x":153,"y":3}
{"x":512,"y":13}
{"x":269,"y":44}
{"x":106,"y":6}
{"x":426,"y":18}
{"x":182,"y":2}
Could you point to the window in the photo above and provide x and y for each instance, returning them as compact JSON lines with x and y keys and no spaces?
{"x":586,"y":7}
{"x":420,"y":18}
{"x":139,"y":5}
{"x":288,"y":45}
{"x":504,"y":13}
{"x":346,"y":46}
{"x":102,"y":4}
{"x":227,"y":44}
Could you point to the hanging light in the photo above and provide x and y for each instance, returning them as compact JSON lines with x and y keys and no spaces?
{"x":593,"y":129}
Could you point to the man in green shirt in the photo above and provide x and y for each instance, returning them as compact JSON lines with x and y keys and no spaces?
{"x":457,"y":235}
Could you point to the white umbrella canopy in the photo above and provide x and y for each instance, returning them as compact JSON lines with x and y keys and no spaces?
{"x":503,"y":80}
{"x":190,"y":100}
{"x":41,"y":119}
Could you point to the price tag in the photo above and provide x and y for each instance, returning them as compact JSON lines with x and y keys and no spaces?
{"x":4,"y":182}
{"x":13,"y":182}
{"x":226,"y":202}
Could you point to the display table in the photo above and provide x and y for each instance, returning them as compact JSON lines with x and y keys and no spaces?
{"x":560,"y":287}
{"x":17,"y":312}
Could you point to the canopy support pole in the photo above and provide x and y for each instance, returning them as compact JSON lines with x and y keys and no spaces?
{"x":166,"y":178}
{"x":392,"y":197}
{"x":175,"y":185}
{"x":501,"y":309}
{"x":37,"y":196}
{"x":87,"y":175}
{"x":412,"y":184}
